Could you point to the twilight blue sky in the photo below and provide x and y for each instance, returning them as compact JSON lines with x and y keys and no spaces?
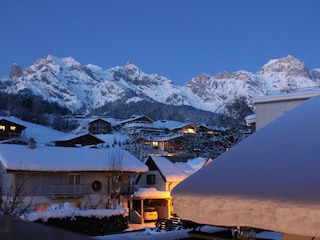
{"x":178,"y":39}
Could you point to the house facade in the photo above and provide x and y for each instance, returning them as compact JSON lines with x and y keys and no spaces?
{"x":155,"y":186}
{"x":10,"y":130}
{"x":99,"y":126}
{"x":86,"y":177}
{"x":154,"y":189}
{"x":171,"y":144}
{"x":184,"y":128}
{"x":162,"y":175}
{"x":136,"y":119}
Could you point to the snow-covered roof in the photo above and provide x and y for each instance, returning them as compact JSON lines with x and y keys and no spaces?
{"x":160,"y":125}
{"x":269,"y":180}
{"x":134,"y":118}
{"x":169,"y":124}
{"x":169,"y":170}
{"x":151,"y":193}
{"x":87,"y":121}
{"x":38,"y":132}
{"x":162,"y":138}
{"x":70,"y":136}
{"x":192,"y":165}
{"x":54,"y":159}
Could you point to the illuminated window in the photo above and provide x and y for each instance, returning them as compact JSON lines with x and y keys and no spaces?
{"x":190,"y":130}
{"x":155,"y":144}
{"x":12,"y":128}
{"x":2,"y":127}
{"x":41,"y":207}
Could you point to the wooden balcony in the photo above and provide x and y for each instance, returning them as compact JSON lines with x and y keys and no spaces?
{"x":66,"y":191}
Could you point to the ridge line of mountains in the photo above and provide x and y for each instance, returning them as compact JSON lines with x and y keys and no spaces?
{"x":89,"y":89}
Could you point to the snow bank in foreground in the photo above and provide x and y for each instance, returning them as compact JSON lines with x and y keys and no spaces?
{"x":68,"y":210}
{"x":147,"y":234}
{"x":269,"y":180}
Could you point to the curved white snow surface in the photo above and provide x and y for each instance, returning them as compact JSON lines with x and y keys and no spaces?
{"x":270,"y":180}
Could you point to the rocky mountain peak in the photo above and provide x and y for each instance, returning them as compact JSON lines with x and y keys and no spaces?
{"x":289,"y":66}
{"x":132,"y":68}
{"x":49,"y":63}
{"x":16,"y":71}
{"x":202,"y":79}
{"x":54,"y":64}
{"x":72,"y":64}
{"x":84,"y":88}
{"x":222,"y":75}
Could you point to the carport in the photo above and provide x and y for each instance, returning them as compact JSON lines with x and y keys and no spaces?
{"x":146,"y":197}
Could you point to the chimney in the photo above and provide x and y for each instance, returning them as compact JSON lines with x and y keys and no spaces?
{"x":32,"y":143}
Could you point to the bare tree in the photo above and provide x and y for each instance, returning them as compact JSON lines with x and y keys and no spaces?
{"x":114,"y":171}
{"x":12,"y":197}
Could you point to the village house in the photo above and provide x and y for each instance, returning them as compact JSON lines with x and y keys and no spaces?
{"x":86,"y":139}
{"x":10,"y":130}
{"x":86,"y":177}
{"x":160,"y":127}
{"x":154,"y":186}
{"x":71,"y":171}
{"x":209,"y":131}
{"x":136,"y":129}
{"x":135,"y":119}
{"x":184,"y":128}
{"x":99,"y":126}
{"x":168,"y":143}
{"x":162,"y":175}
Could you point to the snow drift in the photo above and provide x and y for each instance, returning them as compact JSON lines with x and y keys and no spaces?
{"x":268,"y":180}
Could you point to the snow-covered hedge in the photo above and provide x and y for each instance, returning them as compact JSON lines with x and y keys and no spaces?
{"x":90,"y":222}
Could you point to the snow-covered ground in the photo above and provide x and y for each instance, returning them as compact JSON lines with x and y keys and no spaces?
{"x":149,"y":233}
{"x":145,"y":231}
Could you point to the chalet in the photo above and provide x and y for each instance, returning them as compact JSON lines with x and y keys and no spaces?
{"x":136,"y":119}
{"x":162,"y":175}
{"x":142,"y":128}
{"x":170,"y":143}
{"x":86,"y":139}
{"x":175,"y":127}
{"x":99,"y":126}
{"x":210,"y":131}
{"x":184,"y":128}
{"x":10,"y":130}
{"x":156,"y":184}
{"x":86,"y":177}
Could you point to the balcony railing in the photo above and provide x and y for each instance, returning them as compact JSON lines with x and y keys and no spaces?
{"x":66,"y":190}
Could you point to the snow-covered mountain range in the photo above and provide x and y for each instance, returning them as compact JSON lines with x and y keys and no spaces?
{"x":86,"y":87}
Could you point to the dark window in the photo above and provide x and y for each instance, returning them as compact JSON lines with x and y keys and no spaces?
{"x":151,"y":179}
{"x":96,"y":186}
{"x":74,"y":179}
